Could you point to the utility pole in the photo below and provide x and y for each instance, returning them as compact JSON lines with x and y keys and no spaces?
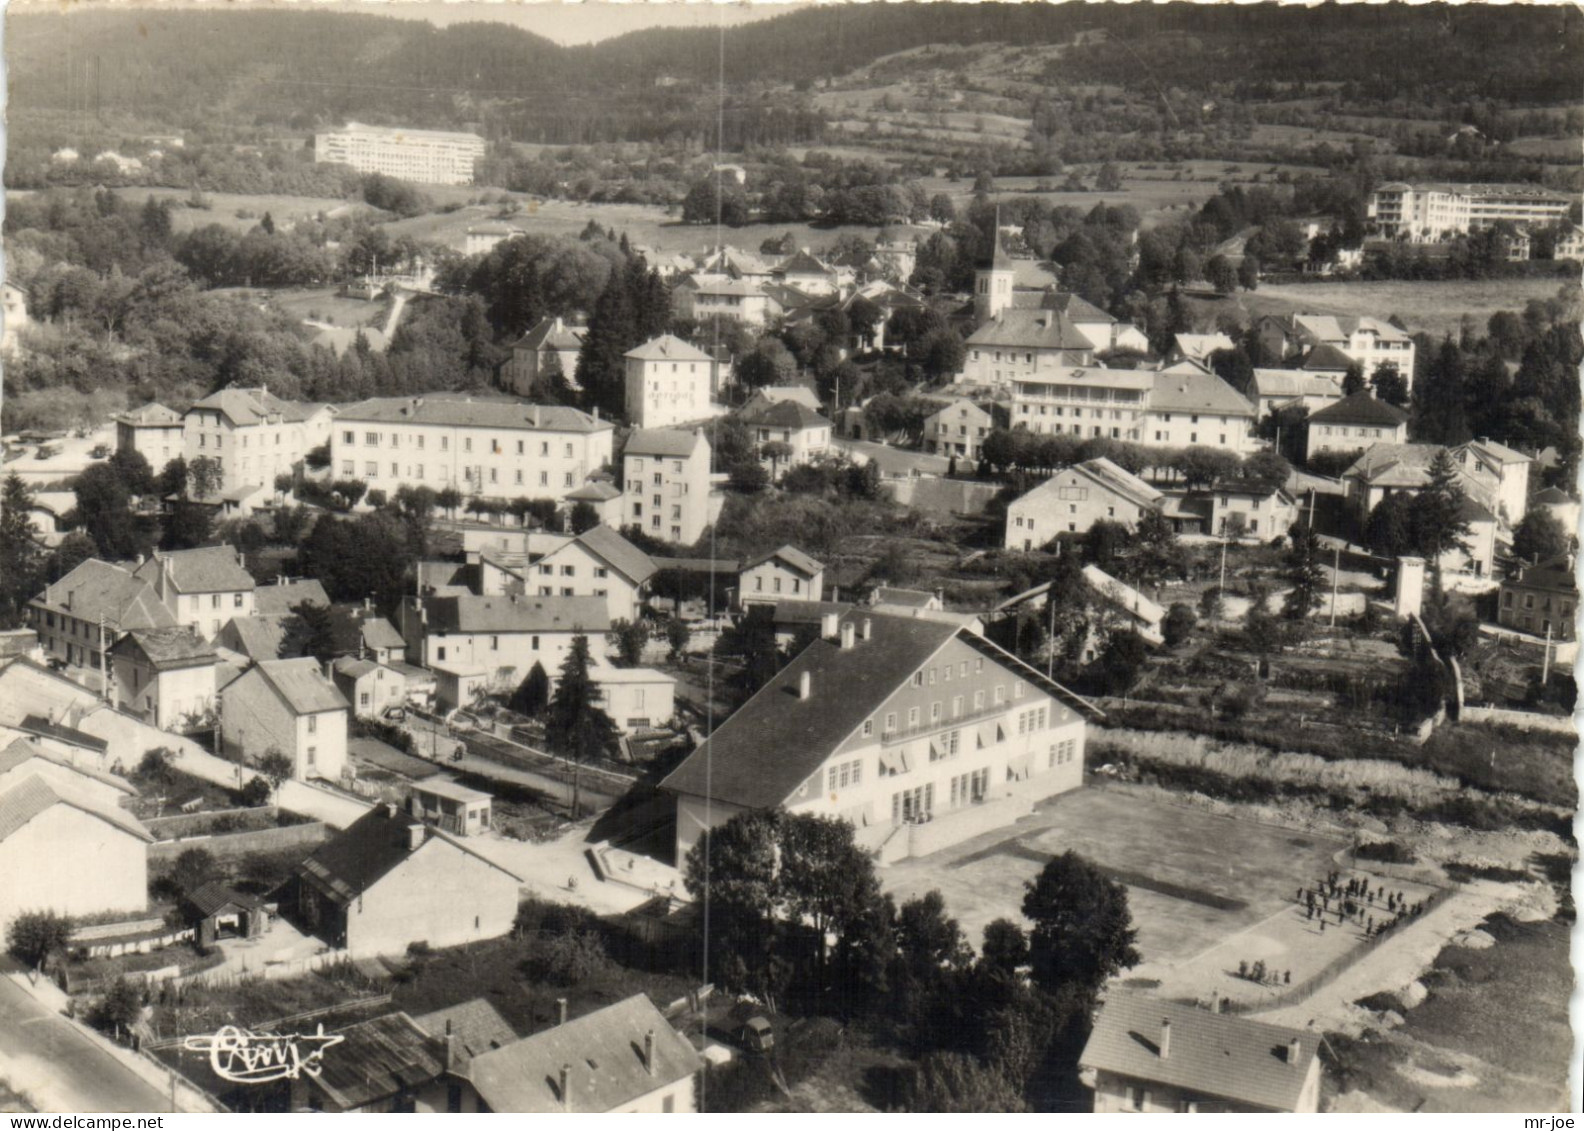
{"x":104,"y":671}
{"x":1311,"y":507}
{"x":1545,"y":667}
{"x":1336,"y":573}
{"x":1050,"y":639}
{"x":1222,"y":585}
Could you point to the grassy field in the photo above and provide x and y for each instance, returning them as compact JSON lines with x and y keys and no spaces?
{"x":224,"y":206}
{"x":1436,"y":308}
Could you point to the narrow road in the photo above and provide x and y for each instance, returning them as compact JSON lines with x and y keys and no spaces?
{"x":59,"y":1069}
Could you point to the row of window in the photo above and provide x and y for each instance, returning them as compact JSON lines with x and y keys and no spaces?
{"x":442,"y":474}
{"x":571,"y":571}
{"x":935,"y":710}
{"x":844,"y":774}
{"x":1030,"y":721}
{"x":496,"y":447}
{"x":1529,"y":603}
{"x":636,"y":463}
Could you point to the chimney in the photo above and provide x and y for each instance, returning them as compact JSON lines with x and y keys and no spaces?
{"x":1293,"y":1048}
{"x":566,"y":1087}
{"x":1165,"y":1038}
{"x":534,"y":417}
{"x":450,"y":1048}
{"x":828,"y":623}
{"x":649,"y":1065}
{"x":561,"y":1003}
{"x":415,"y":837}
{"x":805,"y":688}
{"x":848,"y":631}
{"x":391,"y":810}
{"x":868,"y":628}
{"x":596,"y":412}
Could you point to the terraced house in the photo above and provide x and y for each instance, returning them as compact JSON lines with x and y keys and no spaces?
{"x":491,"y":447}
{"x":918,"y":731}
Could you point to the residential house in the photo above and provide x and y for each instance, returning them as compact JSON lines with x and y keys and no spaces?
{"x":667,"y":477}
{"x":1242,"y":508}
{"x":635,"y":698}
{"x":1368,"y":342}
{"x":597,"y":563}
{"x":58,"y":766}
{"x":494,"y":642}
{"x":450,"y":806}
{"x":203,"y":588}
{"x":359,"y":632}
{"x":1148,"y":1054}
{"x":769,"y":395}
{"x":1193,"y":408}
{"x":1505,"y":470}
{"x":490,"y":447}
{"x":1384,"y":470}
{"x":155,"y":432}
{"x":551,"y":346}
{"x":286,"y":707}
{"x":1018,"y":344}
{"x":705,"y":295}
{"x":807,"y":273}
{"x":786,"y":572}
{"x":1561,"y":506}
{"x":919,"y":732}
{"x":165,"y":676}
{"x":49,"y":512}
{"x":262,"y":638}
{"x":1277,"y":389}
{"x":1355,"y":423}
{"x":1074,"y":499}
{"x":601,"y":494}
{"x":1569,"y":245}
{"x":668,"y":382}
{"x":1197,"y":347}
{"x":64,"y":850}
{"x":372,"y":688}
{"x":1541,"y":598}
{"x":958,"y":429}
{"x":467,"y":1030}
{"x":624,"y":1057}
{"x":805,"y":432}
{"x":254,"y":435}
{"x":80,"y":616}
{"x":388,"y":881}
{"x":736,"y":264}
{"x":1106,"y":334}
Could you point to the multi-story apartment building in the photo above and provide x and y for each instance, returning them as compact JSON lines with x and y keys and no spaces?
{"x":667,"y":484}
{"x":254,"y":435}
{"x":1018,"y":343}
{"x":805,"y":433}
{"x":1541,"y":598}
{"x":551,"y":343}
{"x":80,"y":617}
{"x":668,"y":382}
{"x":1427,"y":212}
{"x":481,"y":446}
{"x":1179,"y":407}
{"x":919,"y":732}
{"x":1367,"y":342}
{"x":704,"y":296}
{"x":958,"y":429}
{"x":155,"y":432}
{"x":1355,"y":423}
{"x":203,"y":588}
{"x":434,"y":157}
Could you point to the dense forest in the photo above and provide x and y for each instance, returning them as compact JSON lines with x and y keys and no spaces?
{"x":298,"y":70}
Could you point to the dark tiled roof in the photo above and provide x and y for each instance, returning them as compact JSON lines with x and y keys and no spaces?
{"x":250,"y":406}
{"x":1030,"y":329}
{"x":380,"y":1058}
{"x":1211,"y":1054}
{"x":792,"y":556}
{"x":365,"y":851}
{"x":98,"y":589}
{"x":803,"y":264}
{"x":302,"y":685}
{"x":216,"y":896}
{"x":168,"y":648}
{"x":1360,"y":408}
{"x":667,"y":347}
{"x":471,"y":412}
{"x":278,"y":600}
{"x":605,"y":1050}
{"x":785,"y":414}
{"x":476,"y":1026}
{"x":209,"y":569}
{"x":1180,"y":391}
{"x":662,"y":442}
{"x":1326,"y":357}
{"x":41,"y":726}
{"x":807,"y":612}
{"x":258,"y":638}
{"x":627,"y":559}
{"x":517,"y":613}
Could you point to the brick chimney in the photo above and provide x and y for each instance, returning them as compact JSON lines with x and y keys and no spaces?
{"x":805,"y":685}
{"x":828,"y":622}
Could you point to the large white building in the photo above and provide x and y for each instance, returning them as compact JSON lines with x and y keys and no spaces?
{"x":1428,"y":212}
{"x":434,"y":157}
{"x":666,"y":474}
{"x":253,"y":435}
{"x":668,"y":382}
{"x":1367,"y":342}
{"x":1175,"y":408}
{"x":481,"y":446}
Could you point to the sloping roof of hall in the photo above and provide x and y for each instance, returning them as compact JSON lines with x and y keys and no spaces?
{"x":1118,"y":480}
{"x":667,"y":347}
{"x":302,"y":685}
{"x":622,"y":556}
{"x":1326,"y":358}
{"x":1362,"y":407}
{"x":208,"y":569}
{"x":605,"y":1053}
{"x":1216,"y":1054}
{"x":663,"y":442}
{"x":98,"y":589}
{"x":552,"y":333}
{"x":151,"y":413}
{"x":1294,"y":383}
{"x":216,"y":895}
{"x":168,"y":649}
{"x":251,"y":406}
{"x":468,"y":411}
{"x":759,"y":756}
{"x":1197,"y":392}
{"x":517,"y":613}
{"x":279,"y":599}
{"x":1030,"y":329}
{"x":33,"y":795}
{"x":785,"y":414}
{"x":792,"y":556}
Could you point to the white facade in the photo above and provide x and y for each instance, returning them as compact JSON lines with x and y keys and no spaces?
{"x":635,"y":698}
{"x":1074,"y":499}
{"x":433,"y":157}
{"x":255,"y":720}
{"x":68,"y":859}
{"x":1427,"y":212}
{"x":667,"y":485}
{"x":253,"y":435}
{"x":440,"y":895}
{"x":668,"y":383}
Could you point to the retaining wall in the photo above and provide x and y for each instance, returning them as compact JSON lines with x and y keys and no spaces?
{"x":237,"y":844}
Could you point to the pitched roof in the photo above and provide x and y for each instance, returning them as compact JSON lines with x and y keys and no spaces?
{"x":1201,"y":346}
{"x":785,"y":414}
{"x":277,"y":600}
{"x":1554,"y":497}
{"x":168,"y":649}
{"x":1294,"y":383}
{"x":369,"y":848}
{"x":667,"y":347}
{"x":258,"y":638}
{"x":551,"y":333}
{"x":98,"y":589}
{"x":789,"y":612}
{"x":33,"y":795}
{"x":380,"y":633}
{"x":792,"y":556}
{"x":387,"y":757}
{"x":803,"y":263}
{"x":1212,"y":1054}
{"x":468,"y":411}
{"x":151,"y":413}
{"x":251,"y":406}
{"x":761,"y":754}
{"x":378,"y":1058}
{"x":1075,"y":307}
{"x":1030,"y":329}
{"x":41,"y":726}
{"x":215,"y":895}
{"x":517,"y":613}
{"x":663,"y":442}
{"x":1326,"y":358}
{"x":20,"y":751}
{"x":595,"y":492}
{"x":1360,"y":408}
{"x":208,"y":569}
{"x":1197,"y":392}
{"x":1109,"y":477}
{"x":1380,"y":461}
{"x":620,"y":554}
{"x":1557,"y":574}
{"x":302,"y":686}
{"x":475,"y":1026}
{"x":802,"y":394}
{"x":353,"y":668}
{"x":907,"y":598}
{"x":605,"y":1051}
{"x":1492,"y":452}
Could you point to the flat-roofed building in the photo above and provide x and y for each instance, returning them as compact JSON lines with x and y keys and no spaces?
{"x":434,"y":157}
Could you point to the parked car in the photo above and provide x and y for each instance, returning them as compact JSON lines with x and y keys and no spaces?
{"x":395,"y":714}
{"x":756,"y":1035}
{"x":100,"y":451}
{"x":45,"y":451}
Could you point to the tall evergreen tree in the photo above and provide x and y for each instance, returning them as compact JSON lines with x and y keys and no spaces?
{"x":575,"y":726}
{"x":1304,"y":572}
{"x":21,"y":561}
{"x":1437,"y":514}
{"x":601,"y":369}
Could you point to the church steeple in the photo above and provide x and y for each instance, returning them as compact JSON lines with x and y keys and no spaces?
{"x":993,"y":278}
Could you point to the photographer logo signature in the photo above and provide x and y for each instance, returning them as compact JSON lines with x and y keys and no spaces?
{"x":258,"y":1058}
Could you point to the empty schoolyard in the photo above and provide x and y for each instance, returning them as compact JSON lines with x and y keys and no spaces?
{"x":1194,"y":879}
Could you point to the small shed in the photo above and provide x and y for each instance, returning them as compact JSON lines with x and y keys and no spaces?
{"x":219,"y":912}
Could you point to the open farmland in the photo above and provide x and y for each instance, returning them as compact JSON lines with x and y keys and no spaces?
{"x":224,"y":208}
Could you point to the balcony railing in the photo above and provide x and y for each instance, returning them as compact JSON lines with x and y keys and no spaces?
{"x":907,"y":734}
